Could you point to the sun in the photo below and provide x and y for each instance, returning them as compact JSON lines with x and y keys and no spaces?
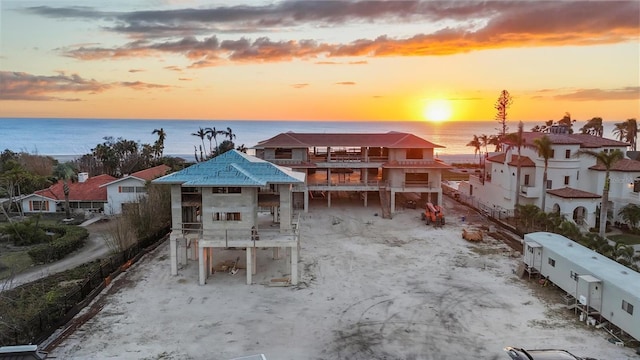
{"x":437,"y":110}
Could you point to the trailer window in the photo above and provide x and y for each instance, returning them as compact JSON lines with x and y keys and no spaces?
{"x":552,"y":262}
{"x":627,"y":307}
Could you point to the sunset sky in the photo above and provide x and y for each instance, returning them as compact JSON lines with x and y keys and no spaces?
{"x":319,"y":60}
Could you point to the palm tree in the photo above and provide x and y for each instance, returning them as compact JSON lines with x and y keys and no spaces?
{"x":229,"y":133}
{"x":608,"y":160}
{"x":201,"y":133}
{"x":516,"y":140}
{"x":158,"y":147}
{"x":484,"y":141}
{"x":630,"y":213}
{"x":593,"y":127}
{"x":620,"y":130}
{"x":632,"y":133}
{"x":477,"y":145}
{"x":544,"y":147}
{"x":212,"y":133}
{"x":66,"y":173}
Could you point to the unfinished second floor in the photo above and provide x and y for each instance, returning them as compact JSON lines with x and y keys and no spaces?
{"x":356,"y":150}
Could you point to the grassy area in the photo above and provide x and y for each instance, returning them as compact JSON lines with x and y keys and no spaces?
{"x":17,"y":261}
{"x":454,"y":176}
{"x":628,"y":239}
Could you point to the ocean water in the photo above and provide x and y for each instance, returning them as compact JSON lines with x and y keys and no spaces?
{"x":69,"y":138}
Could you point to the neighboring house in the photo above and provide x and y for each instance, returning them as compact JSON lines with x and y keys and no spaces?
{"x":574,"y":182}
{"x":358,"y":164}
{"x":86,"y":194}
{"x":214,"y":204}
{"x":128,"y":189}
{"x":602,"y":289}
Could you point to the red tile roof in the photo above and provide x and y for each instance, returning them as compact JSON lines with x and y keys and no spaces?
{"x":620,"y":165}
{"x":151,"y":173}
{"x":584,"y":140}
{"x":571,"y":193}
{"x":89,"y":190}
{"x":525,"y":161}
{"x":392,"y":140}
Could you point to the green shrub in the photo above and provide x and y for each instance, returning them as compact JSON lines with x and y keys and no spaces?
{"x":71,"y":238}
{"x":25,"y":233}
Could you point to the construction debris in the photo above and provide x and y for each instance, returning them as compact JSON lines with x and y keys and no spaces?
{"x":472,"y":235}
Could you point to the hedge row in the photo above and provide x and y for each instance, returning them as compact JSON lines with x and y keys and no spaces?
{"x":72,"y":238}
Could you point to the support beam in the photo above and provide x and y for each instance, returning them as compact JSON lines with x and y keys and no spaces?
{"x":173,"y":255}
{"x":306,"y":201}
{"x":254,"y":263}
{"x":249,"y":264}
{"x":276,"y":253}
{"x":202,"y":275}
{"x":393,"y":202}
{"x":294,"y":265}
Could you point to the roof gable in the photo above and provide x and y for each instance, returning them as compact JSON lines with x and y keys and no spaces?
{"x":233,"y":168}
{"x":144,"y":175}
{"x":571,"y":193}
{"x":620,"y":165}
{"x":392,"y":140}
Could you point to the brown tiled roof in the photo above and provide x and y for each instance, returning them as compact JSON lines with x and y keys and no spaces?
{"x":571,"y":193}
{"x":525,"y":161}
{"x":152,"y":173}
{"x":89,"y":190}
{"x":584,"y":140}
{"x":392,"y":140}
{"x":620,"y":165}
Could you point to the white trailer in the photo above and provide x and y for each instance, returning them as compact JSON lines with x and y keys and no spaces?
{"x":604,"y":290}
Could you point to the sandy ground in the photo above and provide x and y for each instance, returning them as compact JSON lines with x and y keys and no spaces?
{"x":370,"y":288}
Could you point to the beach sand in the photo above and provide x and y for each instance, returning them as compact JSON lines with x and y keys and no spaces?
{"x":370,"y":288}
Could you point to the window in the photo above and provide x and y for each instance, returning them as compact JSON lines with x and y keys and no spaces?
{"x":567,"y":154}
{"x":414,"y":154}
{"x":553,"y":154}
{"x":141,"y":189}
{"x":226,"y":190}
{"x":552,"y":262}
{"x":233,"y":216}
{"x":577,"y":175}
{"x":284,"y":154}
{"x":230,"y":216}
{"x":627,"y":307}
{"x":566,"y":180}
{"x":39,"y":205}
{"x":526,"y":179}
{"x":549,"y":184}
{"x":574,"y":276}
{"x":127,"y":189}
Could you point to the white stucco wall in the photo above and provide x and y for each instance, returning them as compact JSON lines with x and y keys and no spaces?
{"x":28,"y":209}
{"x":115,"y":198}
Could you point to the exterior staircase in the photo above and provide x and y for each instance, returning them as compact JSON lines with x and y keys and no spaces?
{"x":385,"y":201}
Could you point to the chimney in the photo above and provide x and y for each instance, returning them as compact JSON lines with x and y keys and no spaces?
{"x":82,"y":177}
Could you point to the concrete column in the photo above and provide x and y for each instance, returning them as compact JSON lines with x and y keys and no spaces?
{"x":182,"y":251}
{"x":286,"y":206}
{"x":393,"y":202}
{"x":254,"y":263}
{"x":294,"y":265}
{"x":440,"y":198}
{"x":306,"y":201}
{"x":173,"y":254}
{"x":202,"y":275}
{"x":328,"y":198}
{"x":209,"y":261}
{"x":249,"y":265}
{"x":276,"y":253}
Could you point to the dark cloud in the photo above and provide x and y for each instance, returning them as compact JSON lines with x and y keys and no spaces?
{"x":173,"y":68}
{"x":481,"y":25}
{"x":299,"y":86}
{"x":345,"y":83}
{"x":626,"y":93}
{"x":24,"y":86}
{"x":185,"y":79}
{"x":135,"y":70}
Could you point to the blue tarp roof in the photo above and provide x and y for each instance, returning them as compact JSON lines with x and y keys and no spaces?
{"x":233,"y":168}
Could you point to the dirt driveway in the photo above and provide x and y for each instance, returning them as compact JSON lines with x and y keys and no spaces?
{"x":371,"y":288}
{"x":94,"y":248}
